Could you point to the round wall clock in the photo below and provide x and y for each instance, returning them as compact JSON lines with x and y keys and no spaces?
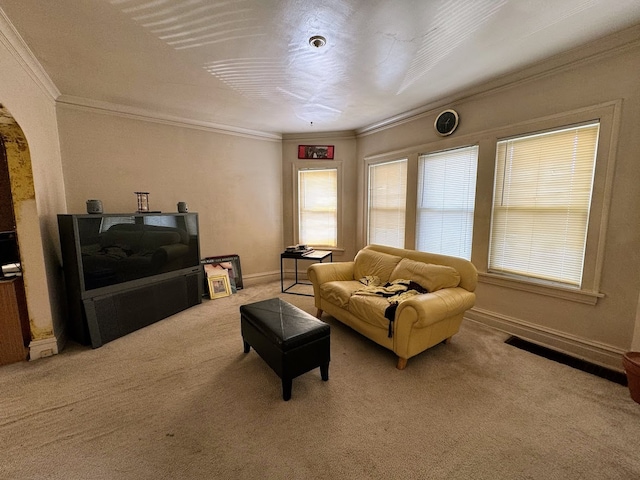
{"x":446,"y":122}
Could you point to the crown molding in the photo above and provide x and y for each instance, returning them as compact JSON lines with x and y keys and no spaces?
{"x":610,"y":45}
{"x":18,"y":48}
{"x":97,"y":106}
{"x":312,"y":137}
{"x":14,"y":43}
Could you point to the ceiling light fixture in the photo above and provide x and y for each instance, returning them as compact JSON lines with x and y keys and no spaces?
{"x":317,"y":41}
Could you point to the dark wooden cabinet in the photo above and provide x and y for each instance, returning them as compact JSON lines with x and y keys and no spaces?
{"x":14,"y":321}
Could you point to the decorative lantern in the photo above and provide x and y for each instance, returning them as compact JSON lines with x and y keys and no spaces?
{"x":143,"y":201}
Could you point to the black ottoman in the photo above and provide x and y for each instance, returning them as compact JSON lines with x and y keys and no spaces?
{"x":291,"y":341}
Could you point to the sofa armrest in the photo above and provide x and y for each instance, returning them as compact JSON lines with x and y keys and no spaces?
{"x":427,"y":309}
{"x":320,"y":273}
{"x":422,"y":321}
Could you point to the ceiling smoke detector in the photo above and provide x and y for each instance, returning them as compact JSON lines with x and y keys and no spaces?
{"x":317,"y":41}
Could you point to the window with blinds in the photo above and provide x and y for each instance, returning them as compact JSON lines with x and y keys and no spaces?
{"x":318,"y":207}
{"x":446,"y":201}
{"x":542,"y":195}
{"x":387,"y":203}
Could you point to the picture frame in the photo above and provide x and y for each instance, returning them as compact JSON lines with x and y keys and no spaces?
{"x":211,"y":269}
{"x":219,"y":285}
{"x":231,"y":263}
{"x":315,"y":152}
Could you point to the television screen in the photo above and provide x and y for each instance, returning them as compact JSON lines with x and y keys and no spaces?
{"x":117,"y":249}
{"x":9,"y":256}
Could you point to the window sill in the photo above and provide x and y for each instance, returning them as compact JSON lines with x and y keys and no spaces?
{"x":328,"y":249}
{"x":564,"y":293}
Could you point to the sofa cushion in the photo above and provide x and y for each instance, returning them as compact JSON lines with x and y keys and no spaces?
{"x":427,"y":275}
{"x":339,"y":292}
{"x":370,"y":309}
{"x":369,"y":262}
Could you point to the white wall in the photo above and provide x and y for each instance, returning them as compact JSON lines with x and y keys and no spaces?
{"x":344,"y":155}
{"x":607,"y":71}
{"x":30,"y":100}
{"x":233,"y":182}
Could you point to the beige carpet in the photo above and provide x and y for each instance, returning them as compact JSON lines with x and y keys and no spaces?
{"x":180,"y":399}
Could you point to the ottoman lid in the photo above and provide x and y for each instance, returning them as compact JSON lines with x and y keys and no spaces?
{"x":284,"y":324}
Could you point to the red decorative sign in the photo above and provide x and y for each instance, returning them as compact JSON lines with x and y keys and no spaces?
{"x":320,"y":152}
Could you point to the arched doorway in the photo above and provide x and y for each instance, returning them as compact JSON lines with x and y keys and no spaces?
{"x":17,"y":162}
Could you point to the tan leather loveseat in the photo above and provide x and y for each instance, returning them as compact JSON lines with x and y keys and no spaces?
{"x":360,"y":292}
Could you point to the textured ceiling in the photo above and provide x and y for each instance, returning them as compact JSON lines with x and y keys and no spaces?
{"x":248,"y":64}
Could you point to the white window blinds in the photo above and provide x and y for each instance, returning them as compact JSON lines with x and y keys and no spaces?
{"x":387,"y":203}
{"x":542,"y":194}
{"x":446,"y":200}
{"x":318,"y":207}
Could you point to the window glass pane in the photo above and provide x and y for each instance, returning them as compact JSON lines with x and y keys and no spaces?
{"x":446,"y":200}
{"x":542,"y":195}
{"x":387,"y":203}
{"x":318,"y":207}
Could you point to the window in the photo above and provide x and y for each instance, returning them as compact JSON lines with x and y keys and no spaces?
{"x":387,"y":203}
{"x":318,"y":207}
{"x":542,"y":195}
{"x":445,"y":201}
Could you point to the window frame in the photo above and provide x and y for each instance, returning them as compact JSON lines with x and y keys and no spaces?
{"x":608,"y":115}
{"x":549,"y":206}
{"x":475,"y":191}
{"x":318,"y":165}
{"x":368,"y":166}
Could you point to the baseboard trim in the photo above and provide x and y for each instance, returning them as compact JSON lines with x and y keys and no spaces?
{"x":43,"y":348}
{"x":569,"y":360}
{"x":595,"y":352}
{"x":288,"y":275}
{"x":259,"y":278}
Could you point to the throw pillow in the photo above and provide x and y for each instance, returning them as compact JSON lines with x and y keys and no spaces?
{"x":428,"y":275}
{"x":372,"y":263}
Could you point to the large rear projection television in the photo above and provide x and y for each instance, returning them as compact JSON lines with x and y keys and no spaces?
{"x":125,"y":271}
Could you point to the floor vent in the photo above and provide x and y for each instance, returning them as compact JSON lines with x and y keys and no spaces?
{"x":603,"y":372}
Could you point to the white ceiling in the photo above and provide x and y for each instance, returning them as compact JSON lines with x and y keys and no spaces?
{"x":248,"y":64}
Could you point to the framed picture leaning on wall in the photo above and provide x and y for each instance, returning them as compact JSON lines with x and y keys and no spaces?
{"x":229,"y":263}
{"x":219,"y":285}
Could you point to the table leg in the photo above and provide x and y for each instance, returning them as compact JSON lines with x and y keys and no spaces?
{"x":324,"y":371}
{"x":287,"y":383}
{"x":281,"y":276}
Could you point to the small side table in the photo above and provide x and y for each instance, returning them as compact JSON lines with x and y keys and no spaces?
{"x":316,"y":256}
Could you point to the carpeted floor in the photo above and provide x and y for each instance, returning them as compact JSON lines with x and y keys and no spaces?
{"x":180,"y":400}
